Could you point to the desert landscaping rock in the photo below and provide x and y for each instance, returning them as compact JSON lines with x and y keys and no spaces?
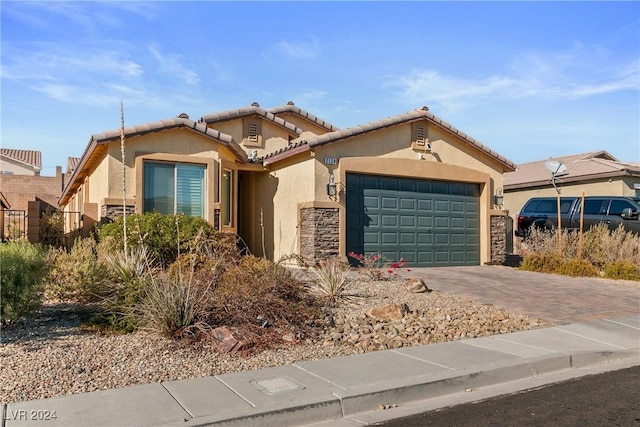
{"x":416,"y":285}
{"x":51,"y":355}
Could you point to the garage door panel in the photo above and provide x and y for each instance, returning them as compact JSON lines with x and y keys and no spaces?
{"x":408,"y":238}
{"x":371,"y":202}
{"x":442,"y":239}
{"x":441,"y":222}
{"x":458,"y":207}
{"x":389,"y":203}
{"x":371,"y":238}
{"x":457,"y":223}
{"x":425,"y":239}
{"x":389,"y":238}
{"x":408,"y":221}
{"x":441,"y":206}
{"x":389,"y":220}
{"x":425,"y":205}
{"x":428,"y":223}
{"x":458,"y":240}
{"x":425,"y":222}
{"x":407,"y":204}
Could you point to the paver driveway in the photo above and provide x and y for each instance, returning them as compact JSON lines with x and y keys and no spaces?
{"x":559,"y":299}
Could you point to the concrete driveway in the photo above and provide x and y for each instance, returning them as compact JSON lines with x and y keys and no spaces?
{"x":559,"y":299}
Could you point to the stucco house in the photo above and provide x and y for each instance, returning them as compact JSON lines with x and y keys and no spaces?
{"x":20,"y":162}
{"x":595,"y":173}
{"x":408,"y":186}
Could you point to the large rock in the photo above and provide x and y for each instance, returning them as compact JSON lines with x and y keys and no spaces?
{"x":416,"y":285}
{"x":388,"y":312}
{"x":233,"y":339}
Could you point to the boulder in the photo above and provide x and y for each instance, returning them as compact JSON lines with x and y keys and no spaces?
{"x":388,"y":312}
{"x":233,"y":339}
{"x":416,"y":285}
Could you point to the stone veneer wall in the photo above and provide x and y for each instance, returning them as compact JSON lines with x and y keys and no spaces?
{"x":498,"y":239}
{"x":114,"y":211}
{"x":319,"y":233}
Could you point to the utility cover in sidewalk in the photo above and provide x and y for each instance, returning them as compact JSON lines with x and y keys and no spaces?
{"x":277,"y":385}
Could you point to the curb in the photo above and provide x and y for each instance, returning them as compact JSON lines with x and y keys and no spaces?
{"x":358,"y":401}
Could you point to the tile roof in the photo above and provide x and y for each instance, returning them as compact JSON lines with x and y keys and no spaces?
{"x":579,"y":168}
{"x":253,"y":110}
{"x":290,"y":107}
{"x":30,"y":158}
{"x":138,"y":130}
{"x":72,"y":163}
{"x":414,"y":115}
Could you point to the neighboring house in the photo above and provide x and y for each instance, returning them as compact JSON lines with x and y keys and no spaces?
{"x":594,"y":174}
{"x":409,"y":186}
{"x":20,"y":162}
{"x":28,"y":193}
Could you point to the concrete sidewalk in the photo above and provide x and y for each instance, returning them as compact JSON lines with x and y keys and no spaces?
{"x":335,"y":391}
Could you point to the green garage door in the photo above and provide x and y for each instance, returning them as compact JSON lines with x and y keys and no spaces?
{"x":428,"y":223}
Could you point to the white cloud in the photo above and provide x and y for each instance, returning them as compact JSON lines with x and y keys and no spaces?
{"x":571,"y":75}
{"x":172,"y":64}
{"x":295,"y":49}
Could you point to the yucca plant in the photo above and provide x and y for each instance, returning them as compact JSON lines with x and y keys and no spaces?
{"x":333,"y":281}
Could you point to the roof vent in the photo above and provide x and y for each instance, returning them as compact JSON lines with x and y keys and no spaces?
{"x":183,"y":116}
{"x":290,"y":103}
{"x":255,"y":104}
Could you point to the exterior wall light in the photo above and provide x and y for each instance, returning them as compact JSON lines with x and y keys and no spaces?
{"x":498,"y":198}
{"x":332,"y":187}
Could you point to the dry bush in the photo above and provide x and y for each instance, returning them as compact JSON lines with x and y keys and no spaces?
{"x":257,"y":293}
{"x":176,"y":307}
{"x":77,"y":275}
{"x":602,"y":246}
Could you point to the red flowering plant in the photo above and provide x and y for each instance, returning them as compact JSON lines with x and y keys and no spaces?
{"x":375,"y":266}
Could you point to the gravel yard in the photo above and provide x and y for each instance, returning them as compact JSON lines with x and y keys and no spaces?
{"x":50,"y":355}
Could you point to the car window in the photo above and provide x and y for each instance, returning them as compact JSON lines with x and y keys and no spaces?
{"x":595,"y":207}
{"x":617,"y":206}
{"x":565,"y":205}
{"x":531,"y":206}
{"x":546,"y":206}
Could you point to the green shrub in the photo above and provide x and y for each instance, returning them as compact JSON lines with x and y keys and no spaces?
{"x":258,"y":293}
{"x":23,"y":268}
{"x":577,"y":267}
{"x":77,"y":275}
{"x":624,"y":270}
{"x":165,"y":236}
{"x":545,"y":262}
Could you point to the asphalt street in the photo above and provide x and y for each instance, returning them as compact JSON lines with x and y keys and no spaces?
{"x":608,"y":399}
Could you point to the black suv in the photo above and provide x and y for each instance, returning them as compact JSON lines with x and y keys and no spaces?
{"x":542,"y":212}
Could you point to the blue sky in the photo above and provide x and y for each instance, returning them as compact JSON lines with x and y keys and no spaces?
{"x":530,"y":80}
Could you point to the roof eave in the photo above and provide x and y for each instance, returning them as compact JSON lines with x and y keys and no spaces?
{"x":571,"y":179}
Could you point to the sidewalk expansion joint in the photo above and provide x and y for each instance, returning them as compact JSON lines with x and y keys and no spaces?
{"x":235,"y":392}
{"x":592,"y":339}
{"x":621,"y":324}
{"x":176,"y":400}
{"x":319,"y":377}
{"x":422,"y":360}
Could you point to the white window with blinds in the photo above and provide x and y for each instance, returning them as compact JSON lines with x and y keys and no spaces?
{"x":174,"y":188}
